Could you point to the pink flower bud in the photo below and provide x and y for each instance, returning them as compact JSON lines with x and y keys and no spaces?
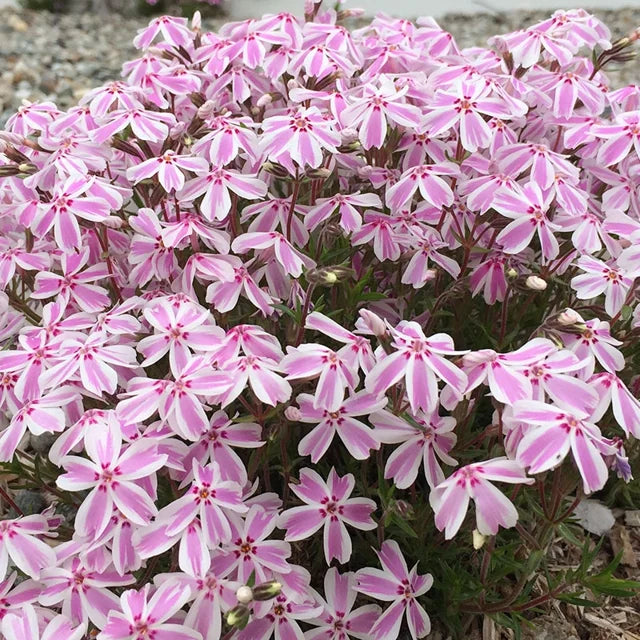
{"x":349,"y":135}
{"x":569,"y":317}
{"x":536,"y":283}
{"x":373,"y":322}
{"x":264,"y":101}
{"x":293,"y":413}
{"x":196,"y":21}
{"x":207,"y":110}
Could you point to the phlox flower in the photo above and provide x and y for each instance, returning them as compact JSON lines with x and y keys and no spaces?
{"x":300,"y":136}
{"x":212,"y":596}
{"x":73,"y":284}
{"x":209,"y":497}
{"x":371,"y":113}
{"x":32,"y":116}
{"x":450,"y":499}
{"x":528,"y":209}
{"x":178,"y":400}
{"x":422,"y":439}
{"x":178,"y":327}
{"x":224,"y":294}
{"x":594,"y":344}
{"x":488,"y":276}
{"x":173,"y":30}
{"x":144,"y":616}
{"x":396,"y":584}
{"x":553,"y":433}
{"x":356,"y":436}
{"x":621,"y":136}
{"x":419,"y":360}
{"x":216,"y":185}
{"x":379,"y":228}
{"x":40,"y":414}
{"x":145,"y":124}
{"x":251,"y":551}
{"x":68,"y":202}
{"x":549,"y":376}
{"x":17,"y":597}
{"x":504,"y":373}
{"x":465,"y":104}
{"x":425,"y":178}
{"x":543,"y":163}
{"x":291,"y":260}
{"x":327,"y":505}
{"x":148,"y":251}
{"x":216,"y":445}
{"x":92,"y":360}
{"x":357,"y":350}
{"x":83,"y":592}
{"x":14,"y":256}
{"x":526,"y":46}
{"x":20,"y":541}
{"x":111,"y":473}
{"x":338,"y":620}
{"x":261,"y":375}
{"x":350,"y":219}
{"x":227,"y":137}
{"x":24,"y":626}
{"x":625,"y":406}
{"x":600,"y":278}
{"x":335,"y":373}
{"x":167,"y":168}
{"x":281,"y":620}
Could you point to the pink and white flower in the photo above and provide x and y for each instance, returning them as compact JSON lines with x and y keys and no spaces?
{"x":327,"y":505}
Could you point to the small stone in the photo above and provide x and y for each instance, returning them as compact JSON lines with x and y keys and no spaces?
{"x":632,"y":518}
{"x":17,"y":23}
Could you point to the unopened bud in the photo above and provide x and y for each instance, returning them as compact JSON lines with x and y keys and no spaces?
{"x":348,"y":135}
{"x":112,"y":222}
{"x":403,"y":509}
{"x":511,"y":273}
{"x":267,"y":590}
{"x":264,"y":100}
{"x":373,"y":322}
{"x":293,"y":413}
{"x":569,"y":317}
{"x":536,"y":283}
{"x":276,"y":170}
{"x":292,"y":84}
{"x":206,"y":109}
{"x":321,"y":173}
{"x":478,"y":539}
{"x":244,"y":594}
{"x":238,"y":616}
{"x":196,"y":21}
{"x":329,"y":275}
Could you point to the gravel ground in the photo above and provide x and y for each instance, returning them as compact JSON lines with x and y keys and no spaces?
{"x":59,"y":57}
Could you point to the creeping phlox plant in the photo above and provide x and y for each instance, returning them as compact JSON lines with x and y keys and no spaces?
{"x":324,"y":331}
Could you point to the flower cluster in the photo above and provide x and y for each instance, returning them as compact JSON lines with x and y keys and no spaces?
{"x":277,"y":273}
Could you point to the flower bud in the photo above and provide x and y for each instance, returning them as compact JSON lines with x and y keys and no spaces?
{"x":536,"y":283}
{"x":569,"y":317}
{"x":321,"y":173}
{"x":511,"y":273}
{"x":292,"y":84}
{"x":206,"y":109}
{"x":329,"y":275}
{"x":264,"y":100}
{"x":293,"y":413}
{"x":478,"y":539}
{"x":267,"y":590}
{"x":276,"y":170}
{"x":349,"y":135}
{"x":244,"y":594}
{"x":196,"y":21}
{"x":349,"y":13}
{"x":238,"y":616}
{"x":373,"y":322}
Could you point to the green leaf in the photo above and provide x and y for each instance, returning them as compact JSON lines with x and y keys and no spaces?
{"x":568,"y":535}
{"x":572,"y":598}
